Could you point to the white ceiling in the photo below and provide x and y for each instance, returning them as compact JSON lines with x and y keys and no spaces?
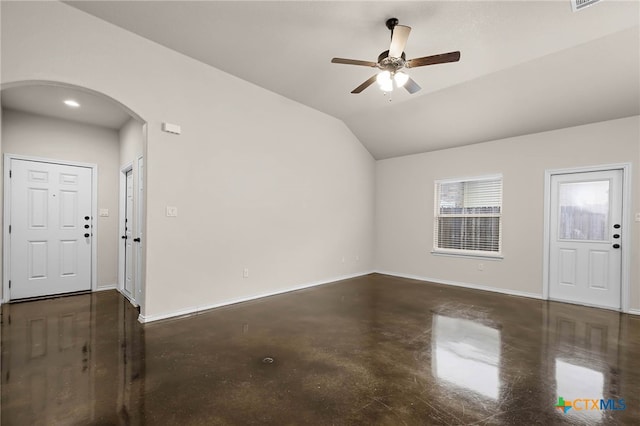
{"x":526,"y":66}
{"x":48,"y":100}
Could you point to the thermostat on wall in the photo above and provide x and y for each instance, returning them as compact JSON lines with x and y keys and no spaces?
{"x":171,"y":128}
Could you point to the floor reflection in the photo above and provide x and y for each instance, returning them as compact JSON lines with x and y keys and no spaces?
{"x":370,"y":350}
{"x":581,"y":386}
{"x":466,"y":354}
{"x":61,"y":359}
{"x":583,"y":353}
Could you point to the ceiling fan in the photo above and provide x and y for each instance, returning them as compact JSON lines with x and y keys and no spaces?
{"x":392,"y":61}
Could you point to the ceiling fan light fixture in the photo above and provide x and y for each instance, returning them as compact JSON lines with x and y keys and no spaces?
{"x":400,"y":78}
{"x":383,"y":78}
{"x":385,"y":81}
{"x":387,"y":87}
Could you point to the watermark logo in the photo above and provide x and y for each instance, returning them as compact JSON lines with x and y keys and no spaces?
{"x":583,"y":404}
{"x":563,"y":405}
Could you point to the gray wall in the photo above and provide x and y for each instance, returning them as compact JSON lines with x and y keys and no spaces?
{"x":52,"y":138}
{"x":259,"y":181}
{"x":405,"y":200}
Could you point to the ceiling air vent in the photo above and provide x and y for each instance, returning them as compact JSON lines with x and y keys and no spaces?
{"x":577,"y":5}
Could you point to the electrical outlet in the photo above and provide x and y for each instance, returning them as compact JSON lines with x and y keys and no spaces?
{"x":245,"y":273}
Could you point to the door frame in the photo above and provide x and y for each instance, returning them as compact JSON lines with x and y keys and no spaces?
{"x":6,"y":199}
{"x":140,"y":231}
{"x":128,"y":167}
{"x":626,"y":226}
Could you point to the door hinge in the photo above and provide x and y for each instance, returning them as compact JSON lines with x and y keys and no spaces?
{"x":9,"y":174}
{"x":9,"y":283}
{"x":9,"y":228}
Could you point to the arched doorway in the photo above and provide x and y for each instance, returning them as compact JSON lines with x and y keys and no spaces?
{"x":55,"y":126}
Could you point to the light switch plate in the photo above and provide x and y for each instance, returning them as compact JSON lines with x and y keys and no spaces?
{"x":172,"y":211}
{"x":104,"y":212}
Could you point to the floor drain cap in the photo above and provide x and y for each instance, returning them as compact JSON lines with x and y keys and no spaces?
{"x":267,"y":360}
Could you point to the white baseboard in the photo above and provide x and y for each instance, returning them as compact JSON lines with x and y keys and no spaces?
{"x":465,"y":285}
{"x":633,"y":311}
{"x":196,"y":309}
{"x":107,"y":287}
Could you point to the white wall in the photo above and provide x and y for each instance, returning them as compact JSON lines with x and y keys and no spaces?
{"x":46,"y":137}
{"x":259,"y":181}
{"x":405,"y":197}
{"x":131,"y":141}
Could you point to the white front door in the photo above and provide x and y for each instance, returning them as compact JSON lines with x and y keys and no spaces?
{"x":128,"y":236}
{"x":586,"y":238}
{"x":50,"y":238}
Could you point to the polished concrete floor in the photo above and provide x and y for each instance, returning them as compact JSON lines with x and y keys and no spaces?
{"x":374,"y":350}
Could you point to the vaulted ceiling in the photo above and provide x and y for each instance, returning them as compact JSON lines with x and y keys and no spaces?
{"x":526,"y":66}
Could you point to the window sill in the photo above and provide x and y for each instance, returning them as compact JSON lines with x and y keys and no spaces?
{"x":468,"y":255}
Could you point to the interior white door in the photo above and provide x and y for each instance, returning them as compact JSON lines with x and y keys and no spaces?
{"x":128,"y":236}
{"x":51,"y":229}
{"x":586,"y":238}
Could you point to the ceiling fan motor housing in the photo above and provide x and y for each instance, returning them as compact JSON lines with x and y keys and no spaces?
{"x":391,"y":64}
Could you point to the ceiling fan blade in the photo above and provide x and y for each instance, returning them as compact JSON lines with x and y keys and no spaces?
{"x":364,"y":85}
{"x":411,"y":86}
{"x":353,"y":62}
{"x":433,"y":60}
{"x":399,"y":40}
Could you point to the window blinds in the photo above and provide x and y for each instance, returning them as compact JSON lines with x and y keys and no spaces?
{"x":468,"y":215}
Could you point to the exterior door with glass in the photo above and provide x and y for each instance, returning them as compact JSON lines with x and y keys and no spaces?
{"x":586,"y":238}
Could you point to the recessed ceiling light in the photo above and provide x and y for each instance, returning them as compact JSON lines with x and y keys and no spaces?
{"x":71,"y":103}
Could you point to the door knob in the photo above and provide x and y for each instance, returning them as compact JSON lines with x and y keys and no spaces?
{"x":616,"y":246}
{"x":86,"y":235}
{"x":87,"y":218}
{"x":616,"y":235}
{"x":616,"y":226}
{"x":86,"y":227}
{"x":137,"y":240}
{"x":124,"y":237}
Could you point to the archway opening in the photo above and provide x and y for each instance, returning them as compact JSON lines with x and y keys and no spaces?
{"x":62,"y":125}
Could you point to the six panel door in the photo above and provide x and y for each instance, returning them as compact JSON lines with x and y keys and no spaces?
{"x":51,"y":229}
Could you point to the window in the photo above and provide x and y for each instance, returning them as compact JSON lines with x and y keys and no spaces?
{"x":468,"y":216}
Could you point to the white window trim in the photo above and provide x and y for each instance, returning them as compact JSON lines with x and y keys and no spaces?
{"x":479,"y":254}
{"x":470,"y":254}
